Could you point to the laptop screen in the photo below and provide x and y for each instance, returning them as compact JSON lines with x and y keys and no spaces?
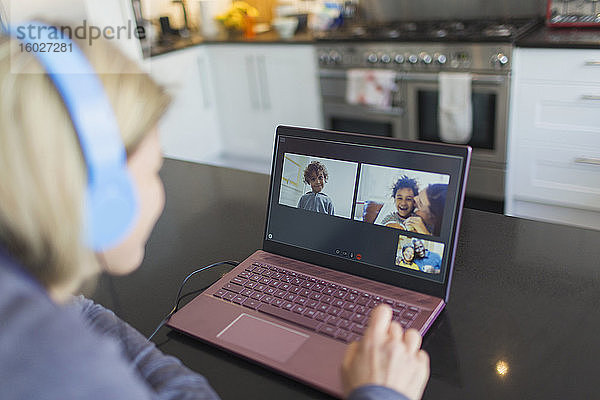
{"x":387,"y":208}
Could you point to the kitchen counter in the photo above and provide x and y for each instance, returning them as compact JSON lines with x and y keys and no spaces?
{"x":566,"y":38}
{"x":520,"y":323}
{"x":542,"y":37}
{"x":269,"y":37}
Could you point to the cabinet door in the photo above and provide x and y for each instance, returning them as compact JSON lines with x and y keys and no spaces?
{"x":557,"y":114}
{"x":289,"y":83}
{"x":238,"y":100}
{"x":564,"y":176}
{"x":189,"y":129}
{"x":260,"y":87}
{"x":557,"y":65}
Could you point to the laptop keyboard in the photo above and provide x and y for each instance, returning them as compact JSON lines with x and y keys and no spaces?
{"x":322,"y":306}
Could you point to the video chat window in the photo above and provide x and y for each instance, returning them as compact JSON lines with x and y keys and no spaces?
{"x":318,"y":184}
{"x":420,"y":255}
{"x":404,"y":199}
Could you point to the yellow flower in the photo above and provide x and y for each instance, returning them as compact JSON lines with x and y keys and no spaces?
{"x":234,"y":17}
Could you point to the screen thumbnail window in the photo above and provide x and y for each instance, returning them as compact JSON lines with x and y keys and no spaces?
{"x":420,"y":255}
{"x":318,"y":184}
{"x":401,"y":198}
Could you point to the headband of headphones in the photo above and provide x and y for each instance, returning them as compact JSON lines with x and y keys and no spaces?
{"x":111,"y":206}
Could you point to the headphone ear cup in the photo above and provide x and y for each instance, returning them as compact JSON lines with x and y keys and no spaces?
{"x":111,"y":209}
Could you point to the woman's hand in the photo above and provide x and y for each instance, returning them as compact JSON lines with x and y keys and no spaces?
{"x":386,"y":356}
{"x":416,"y":224}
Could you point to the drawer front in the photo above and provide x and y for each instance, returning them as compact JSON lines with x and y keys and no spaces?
{"x":566,"y":115}
{"x":557,"y":65}
{"x":568,"y":176}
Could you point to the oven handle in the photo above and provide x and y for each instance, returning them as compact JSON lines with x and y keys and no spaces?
{"x":484,"y":79}
{"x":391,"y":112}
{"x":587,"y":160}
{"x":416,"y":77}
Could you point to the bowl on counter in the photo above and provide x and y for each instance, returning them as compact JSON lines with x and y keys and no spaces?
{"x":285,"y":26}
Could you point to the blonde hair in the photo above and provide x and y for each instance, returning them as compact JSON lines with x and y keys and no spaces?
{"x":42,"y":171}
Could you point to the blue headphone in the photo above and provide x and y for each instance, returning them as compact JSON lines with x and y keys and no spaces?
{"x":111,"y":207}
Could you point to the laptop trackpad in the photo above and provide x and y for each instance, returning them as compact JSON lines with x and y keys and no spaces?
{"x":267,"y":338}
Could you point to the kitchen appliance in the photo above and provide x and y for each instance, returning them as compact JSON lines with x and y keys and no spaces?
{"x":567,"y":13}
{"x":418,"y":52}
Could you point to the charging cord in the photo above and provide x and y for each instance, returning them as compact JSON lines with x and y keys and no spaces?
{"x":178,"y":297}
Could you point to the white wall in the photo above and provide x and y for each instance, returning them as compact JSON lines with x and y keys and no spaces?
{"x":60,"y":10}
{"x":101,"y":13}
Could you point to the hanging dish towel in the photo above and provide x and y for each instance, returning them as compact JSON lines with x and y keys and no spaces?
{"x":371,"y":87}
{"x":455,"y":114}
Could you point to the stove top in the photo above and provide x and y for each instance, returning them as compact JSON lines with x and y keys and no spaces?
{"x":506,"y":31}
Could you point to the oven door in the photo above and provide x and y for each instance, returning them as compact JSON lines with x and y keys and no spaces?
{"x":338,"y":115}
{"x":489,"y":99}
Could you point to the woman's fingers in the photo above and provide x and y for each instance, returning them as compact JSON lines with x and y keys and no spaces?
{"x":412,"y":339}
{"x":379,"y":323}
{"x":395,"y":331}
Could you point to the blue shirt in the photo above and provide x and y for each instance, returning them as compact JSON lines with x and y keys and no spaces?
{"x":318,"y":202}
{"x":430,"y":258}
{"x":84,"y":351}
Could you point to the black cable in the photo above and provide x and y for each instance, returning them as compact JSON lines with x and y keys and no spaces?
{"x":178,"y":298}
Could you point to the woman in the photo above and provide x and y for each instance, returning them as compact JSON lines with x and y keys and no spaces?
{"x":408,"y":257}
{"x":429,"y":204}
{"x":53,"y":345}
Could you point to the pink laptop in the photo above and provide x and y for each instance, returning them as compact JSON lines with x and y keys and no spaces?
{"x":352,"y":221}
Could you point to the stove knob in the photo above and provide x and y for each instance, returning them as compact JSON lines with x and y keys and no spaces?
{"x":425,"y":58}
{"x":386,"y":59}
{"x":413,"y":59}
{"x":399,"y":59}
{"x":335,"y":57}
{"x":499,"y":59}
{"x":372,"y":58}
{"x":323,"y":57}
{"x":440,"y":59}
{"x":502,"y":59}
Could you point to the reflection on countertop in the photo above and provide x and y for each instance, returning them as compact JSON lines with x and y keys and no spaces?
{"x":173,"y":43}
{"x":569,"y":38}
{"x":544,"y":37}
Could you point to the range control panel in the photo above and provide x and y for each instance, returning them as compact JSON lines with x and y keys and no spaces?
{"x":417,"y":57}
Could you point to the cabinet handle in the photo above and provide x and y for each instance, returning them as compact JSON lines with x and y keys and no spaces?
{"x":587,"y":161}
{"x":251,"y":75}
{"x":592,"y":63}
{"x":204,"y":82}
{"x":590,"y":97}
{"x":263,"y":82}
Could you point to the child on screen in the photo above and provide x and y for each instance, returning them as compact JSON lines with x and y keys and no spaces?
{"x":315,"y":174}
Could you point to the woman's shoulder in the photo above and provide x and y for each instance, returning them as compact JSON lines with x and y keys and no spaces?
{"x":42,"y":343}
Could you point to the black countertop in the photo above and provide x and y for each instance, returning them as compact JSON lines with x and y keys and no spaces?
{"x":174,"y":43}
{"x":541,"y":37}
{"x":564,"y":38}
{"x":524,"y":293}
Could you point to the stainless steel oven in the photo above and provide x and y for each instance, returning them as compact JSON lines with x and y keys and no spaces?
{"x":489,"y":98}
{"x":341,"y":116}
{"x":413,"y":113}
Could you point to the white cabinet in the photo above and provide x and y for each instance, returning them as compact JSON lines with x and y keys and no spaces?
{"x":260,"y":87}
{"x":554,"y":136}
{"x":190,"y":129}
